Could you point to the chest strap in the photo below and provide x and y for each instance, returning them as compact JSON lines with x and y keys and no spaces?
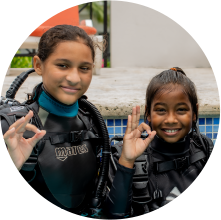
{"x":178,"y":163}
{"x":73,"y":136}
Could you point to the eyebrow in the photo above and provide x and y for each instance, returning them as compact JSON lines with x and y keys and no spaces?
{"x":63,"y":60}
{"x":164,"y":104}
{"x":68,"y":61}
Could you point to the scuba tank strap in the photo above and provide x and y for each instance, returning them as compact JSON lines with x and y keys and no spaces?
{"x":87,"y":120}
{"x":7,"y":118}
{"x":209,"y":144}
{"x":178,"y":163}
{"x":84,"y":118}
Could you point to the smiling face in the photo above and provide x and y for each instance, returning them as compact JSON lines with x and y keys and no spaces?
{"x":67,"y":72}
{"x":171,"y":115}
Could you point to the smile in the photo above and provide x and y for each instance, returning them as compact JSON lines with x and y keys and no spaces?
{"x":69,"y":89}
{"x":171,"y":131}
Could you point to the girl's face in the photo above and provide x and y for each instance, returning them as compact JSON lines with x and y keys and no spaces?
{"x":171,"y":115}
{"x":67,"y":72}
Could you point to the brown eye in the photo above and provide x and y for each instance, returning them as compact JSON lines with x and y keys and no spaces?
{"x":181,"y":109}
{"x":63,"y":66}
{"x":161,"y":110}
{"x":84,"y":68}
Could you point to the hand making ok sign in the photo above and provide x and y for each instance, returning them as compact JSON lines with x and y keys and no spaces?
{"x":133,"y":144}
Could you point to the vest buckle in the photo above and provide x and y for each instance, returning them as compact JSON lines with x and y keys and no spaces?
{"x":181,"y":162}
{"x":76,"y":136}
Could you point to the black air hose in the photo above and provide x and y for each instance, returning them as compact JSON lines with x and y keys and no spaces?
{"x":96,"y":201}
{"x":16,"y":84}
{"x":10,"y":94}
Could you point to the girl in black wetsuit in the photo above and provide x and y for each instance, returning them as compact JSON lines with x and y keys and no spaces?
{"x":166,"y":162}
{"x":64,"y":136}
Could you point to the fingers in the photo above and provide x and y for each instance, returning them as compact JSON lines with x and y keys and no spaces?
{"x":129,"y":124}
{"x":22,"y":120}
{"x":39,"y":134}
{"x":144,"y":127}
{"x":134,"y":118}
{"x":33,"y":141}
{"x":22,"y":127}
{"x":10,"y":133}
{"x":137,"y":115}
{"x":150,"y":138}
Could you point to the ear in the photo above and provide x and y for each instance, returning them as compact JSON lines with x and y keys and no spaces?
{"x":37,"y":65}
{"x":194,"y":115}
{"x":148,"y":117}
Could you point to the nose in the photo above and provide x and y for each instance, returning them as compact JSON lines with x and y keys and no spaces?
{"x":171,"y":118}
{"x":73,"y":76}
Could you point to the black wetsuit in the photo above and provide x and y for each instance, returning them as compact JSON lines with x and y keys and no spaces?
{"x":152,"y":186}
{"x":66,"y":172}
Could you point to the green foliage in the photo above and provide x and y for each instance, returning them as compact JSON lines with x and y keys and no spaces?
{"x":21,"y":62}
{"x":98,"y":11}
{"x":108,"y":63}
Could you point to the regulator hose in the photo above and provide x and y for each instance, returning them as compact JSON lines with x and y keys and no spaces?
{"x":96,"y":201}
{"x":16,"y":84}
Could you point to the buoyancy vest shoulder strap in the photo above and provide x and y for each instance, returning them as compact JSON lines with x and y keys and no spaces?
{"x":59,"y":138}
{"x":178,"y":163}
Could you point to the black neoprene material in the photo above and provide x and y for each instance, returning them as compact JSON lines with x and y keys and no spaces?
{"x":56,"y":176}
{"x":120,"y":197}
{"x":163,"y":187}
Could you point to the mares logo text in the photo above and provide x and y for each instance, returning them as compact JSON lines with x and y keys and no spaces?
{"x":62,"y":153}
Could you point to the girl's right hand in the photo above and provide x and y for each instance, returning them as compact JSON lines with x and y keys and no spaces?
{"x":133,"y":144}
{"x":20,"y":148}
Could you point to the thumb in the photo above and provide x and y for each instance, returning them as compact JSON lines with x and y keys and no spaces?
{"x":150,"y":138}
{"x":34,"y":140}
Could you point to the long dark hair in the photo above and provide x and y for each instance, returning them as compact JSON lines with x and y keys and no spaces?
{"x":163,"y":81}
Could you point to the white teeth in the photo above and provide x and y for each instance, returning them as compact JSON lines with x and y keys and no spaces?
{"x":171,"y":131}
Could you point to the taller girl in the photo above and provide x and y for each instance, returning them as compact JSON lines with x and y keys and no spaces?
{"x":66,"y":166}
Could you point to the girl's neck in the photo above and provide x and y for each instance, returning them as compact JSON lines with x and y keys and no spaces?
{"x":53,"y":106}
{"x":171,"y":149}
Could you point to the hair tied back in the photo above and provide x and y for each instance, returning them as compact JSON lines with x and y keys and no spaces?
{"x":174,"y":69}
{"x":177,"y":69}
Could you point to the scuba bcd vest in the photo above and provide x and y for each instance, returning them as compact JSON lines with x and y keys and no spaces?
{"x":144,"y":164}
{"x":66,"y":154}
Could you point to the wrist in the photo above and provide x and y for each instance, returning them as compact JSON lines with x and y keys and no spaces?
{"x":126,"y":163}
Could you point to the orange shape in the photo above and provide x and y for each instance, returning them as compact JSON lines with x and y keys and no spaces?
{"x":69,"y":16}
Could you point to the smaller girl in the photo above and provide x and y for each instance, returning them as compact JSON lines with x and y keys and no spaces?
{"x":169,"y":159}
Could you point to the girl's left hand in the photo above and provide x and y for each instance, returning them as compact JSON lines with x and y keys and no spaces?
{"x":133,"y":145}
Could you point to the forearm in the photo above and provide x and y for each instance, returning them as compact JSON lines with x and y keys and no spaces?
{"x":118,"y":202}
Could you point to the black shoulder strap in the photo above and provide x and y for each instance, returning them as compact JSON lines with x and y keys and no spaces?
{"x":178,"y":163}
{"x":9,"y":121}
{"x":84,"y":119}
{"x":209,"y":144}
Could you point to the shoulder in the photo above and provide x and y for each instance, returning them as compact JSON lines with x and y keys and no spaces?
{"x":10,"y":114}
{"x":203,"y":142}
{"x":5,"y":126}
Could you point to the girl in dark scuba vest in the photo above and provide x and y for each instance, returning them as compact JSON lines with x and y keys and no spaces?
{"x":66,"y":136}
{"x":169,"y":159}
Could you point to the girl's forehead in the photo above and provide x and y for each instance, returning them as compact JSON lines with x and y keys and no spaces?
{"x":71,"y":50}
{"x":172,"y":93}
